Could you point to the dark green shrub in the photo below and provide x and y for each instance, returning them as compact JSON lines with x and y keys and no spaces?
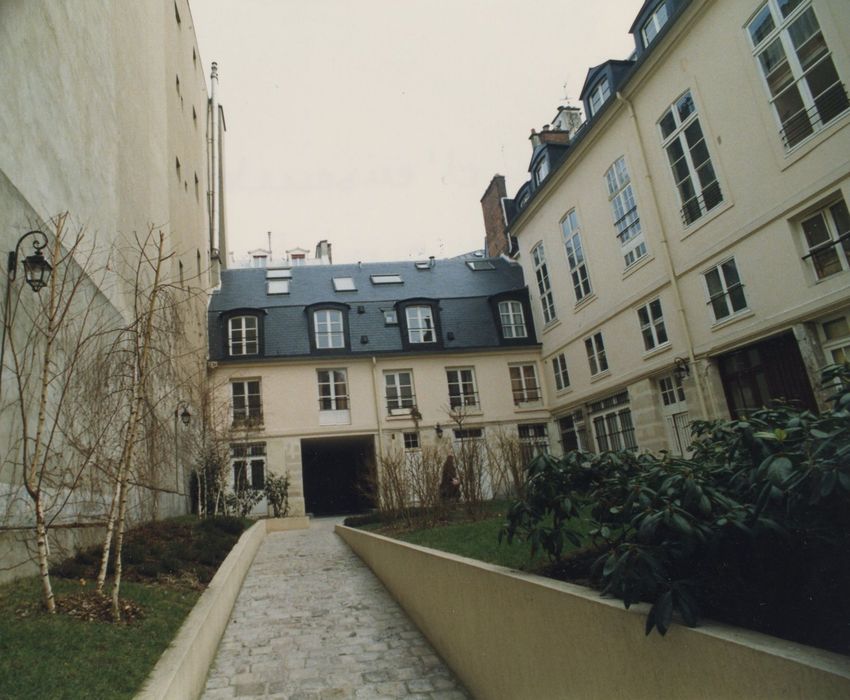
{"x":230,"y":524}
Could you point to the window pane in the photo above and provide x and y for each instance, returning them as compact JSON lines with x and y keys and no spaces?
{"x":761,"y":26}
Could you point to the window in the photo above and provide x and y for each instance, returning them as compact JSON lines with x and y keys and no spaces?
{"x":541,"y":170}
{"x":598,"y":95}
{"x":333,"y":390}
{"x":386,"y":279}
{"x":278,"y":273}
{"x":690,"y":161}
{"x":538,"y":255}
{"x":399,"y":391}
{"x":626,"y":219}
{"x":279,"y":286}
{"x":828,"y":239}
{"x":562,"y":376}
{"x":247,"y":406}
{"x":328,"y":329}
{"x":243,"y":336}
{"x":803,"y":86}
{"x":341,"y":284}
{"x":462,"y":390}
{"x":533,"y":441}
{"x":420,"y":324}
{"x":672,"y":391}
{"x":512,"y":319}
{"x":573,"y":433}
{"x":249,"y":466}
{"x":575,"y":256}
{"x":612,"y":423}
{"x":653,"y":25}
{"x":595,"y":348}
{"x":524,"y":386}
{"x":725,"y":291}
{"x":836,"y":334}
{"x":652,"y":325}
{"x":390,"y":317}
{"x":411,"y":441}
{"x":674,"y":410}
{"x":478,"y":265}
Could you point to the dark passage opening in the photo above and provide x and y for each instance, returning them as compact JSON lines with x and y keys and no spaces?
{"x":335,"y":472}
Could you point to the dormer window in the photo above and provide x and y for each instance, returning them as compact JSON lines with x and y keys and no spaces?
{"x":243,"y":336}
{"x":654,"y":24}
{"x":329,"y":329}
{"x":512,"y":319}
{"x":420,"y":325}
{"x":541,"y":170}
{"x":599,"y":94}
{"x":344,"y":284}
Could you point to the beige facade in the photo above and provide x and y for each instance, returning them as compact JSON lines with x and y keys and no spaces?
{"x":758,"y":214}
{"x":105,"y":117}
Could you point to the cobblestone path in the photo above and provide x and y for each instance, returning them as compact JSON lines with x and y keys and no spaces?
{"x":313,"y":623}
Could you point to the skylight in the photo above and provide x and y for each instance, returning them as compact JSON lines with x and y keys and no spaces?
{"x":423,"y":265}
{"x":344,"y":284}
{"x":480,"y":265}
{"x":277,"y":286}
{"x":279,"y":274}
{"x":386,"y":279}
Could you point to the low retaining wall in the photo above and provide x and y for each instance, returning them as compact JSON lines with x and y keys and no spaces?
{"x":512,"y":635}
{"x":181,"y":671}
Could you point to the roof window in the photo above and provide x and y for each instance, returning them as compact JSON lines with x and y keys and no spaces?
{"x":480,"y":265}
{"x":279,"y":274}
{"x":424,"y":265}
{"x":277,"y":286}
{"x":386,"y":279}
{"x":344,"y":284}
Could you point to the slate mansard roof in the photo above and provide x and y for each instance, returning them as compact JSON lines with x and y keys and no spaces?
{"x":464,"y":299}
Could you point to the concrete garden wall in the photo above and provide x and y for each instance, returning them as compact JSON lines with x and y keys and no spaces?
{"x":513,"y":635}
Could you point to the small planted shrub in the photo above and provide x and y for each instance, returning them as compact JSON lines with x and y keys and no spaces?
{"x":753,"y":528}
{"x":277,"y":494}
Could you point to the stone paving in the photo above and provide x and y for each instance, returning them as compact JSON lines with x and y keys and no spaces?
{"x":313,"y":623}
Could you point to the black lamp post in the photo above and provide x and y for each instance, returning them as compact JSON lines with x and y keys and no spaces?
{"x":181,"y":412}
{"x":36,"y":270}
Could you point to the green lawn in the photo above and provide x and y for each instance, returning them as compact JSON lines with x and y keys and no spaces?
{"x":56,"y":656}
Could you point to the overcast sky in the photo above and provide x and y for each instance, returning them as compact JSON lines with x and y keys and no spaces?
{"x":377,"y":124}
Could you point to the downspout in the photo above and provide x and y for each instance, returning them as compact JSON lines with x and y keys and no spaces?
{"x":668,"y":261}
{"x":214,"y":151}
{"x":377,"y":405}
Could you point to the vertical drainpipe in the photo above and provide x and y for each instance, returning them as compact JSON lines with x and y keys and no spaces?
{"x":668,"y":261}
{"x":214,"y":158}
{"x":375,"y":396}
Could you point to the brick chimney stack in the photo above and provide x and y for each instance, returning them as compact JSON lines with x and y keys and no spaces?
{"x":495,"y":231}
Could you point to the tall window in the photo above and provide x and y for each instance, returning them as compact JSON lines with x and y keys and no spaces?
{"x":575,"y":256}
{"x":595,"y":347}
{"x":538,"y":255}
{"x":652,"y":325}
{"x":674,"y":410}
{"x":246,"y":402}
{"x":541,"y":170}
{"x":612,"y":423}
{"x":598,"y":95}
{"x":462,"y":390}
{"x":249,"y":466}
{"x":329,"y":329}
{"x":399,"y":387}
{"x":653,"y":25}
{"x":573,"y":433}
{"x":333,"y":390}
{"x":690,"y":161}
{"x":828,"y":239}
{"x":524,"y":386}
{"x":512,"y":319}
{"x":242,"y":336}
{"x":836,"y":339}
{"x":420,"y":324}
{"x":804,"y":88}
{"x":626,"y":219}
{"x":559,"y":367}
{"x":725,"y":291}
{"x":533,"y":441}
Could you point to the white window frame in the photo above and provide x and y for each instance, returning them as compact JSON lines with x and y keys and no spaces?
{"x":411,"y":441}
{"x":727,"y":292}
{"x":574,"y":424}
{"x":541,"y":170}
{"x":544,"y":288}
{"x":421,"y":329}
{"x":525,"y":387}
{"x":387,"y":278}
{"x":775,"y":54}
{"x":594,"y":346}
{"x":245,"y":408}
{"x":328,"y":329}
{"x":625,"y":211}
{"x":674,"y":410}
{"x":533,"y":440}
{"x":462,"y":380}
{"x":599,"y":95}
{"x":243,"y":459}
{"x":335,"y":397}
{"x":562,"y":375}
{"x":512,"y":319}
{"x":680,"y":121}
{"x":833,"y":250}
{"x":398,"y":391}
{"x":836,"y":349}
{"x":652,"y":328}
{"x":654,"y":23}
{"x":248,"y":330}
{"x":344,"y":284}
{"x":575,"y":256}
